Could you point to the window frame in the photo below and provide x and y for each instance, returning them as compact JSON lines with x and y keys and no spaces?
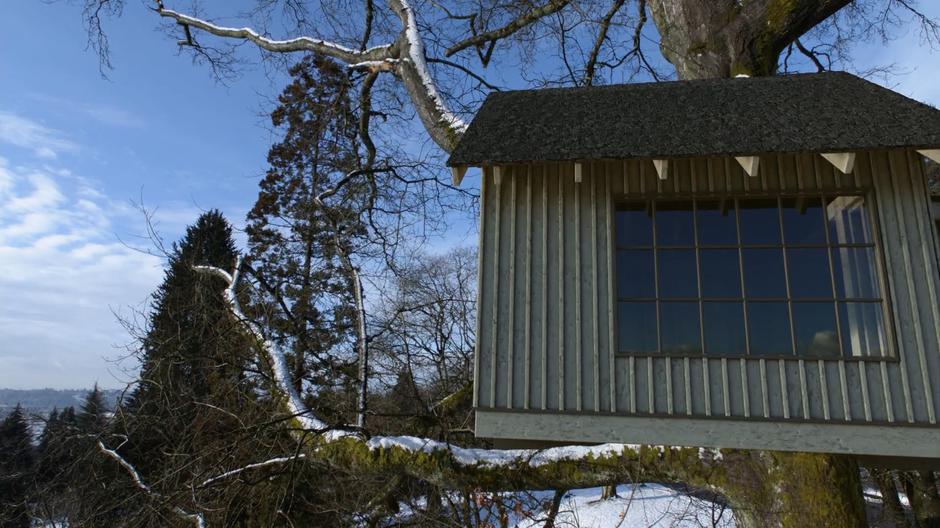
{"x":880,"y":272}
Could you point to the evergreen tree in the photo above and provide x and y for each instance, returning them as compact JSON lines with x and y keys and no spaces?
{"x":94,"y":414}
{"x":293,"y":240}
{"x":17,"y":459}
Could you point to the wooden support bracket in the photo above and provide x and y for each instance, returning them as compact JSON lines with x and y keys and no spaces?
{"x":662,"y":168}
{"x":844,"y":161}
{"x":457,"y":173}
{"x":933,"y":154}
{"x":750,"y":164}
{"x":578,"y":171}
{"x":497,"y":174}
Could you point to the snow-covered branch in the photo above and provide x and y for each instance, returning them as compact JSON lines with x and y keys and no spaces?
{"x":257,"y":465}
{"x":405,"y":58}
{"x":405,"y":453}
{"x":323,"y":47}
{"x":196,"y":518}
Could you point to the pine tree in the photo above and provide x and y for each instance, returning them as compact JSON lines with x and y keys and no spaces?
{"x":17,"y":460}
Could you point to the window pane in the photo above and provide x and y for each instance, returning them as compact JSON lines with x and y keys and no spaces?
{"x":634,"y":225}
{"x":677,"y":273}
{"x":855,"y":273}
{"x":848,"y":220}
{"x":674,"y":224}
{"x":716,"y":223}
{"x":769,"y":327}
{"x":635,"y":274}
{"x":637,"y":327}
{"x":763,"y":273}
{"x":760,"y":222}
{"x":863,"y":332}
{"x":679,"y":328}
{"x":720,"y":273}
{"x":809,"y":273}
{"x":724,"y":328}
{"x":815,"y":329}
{"x":803,"y":221}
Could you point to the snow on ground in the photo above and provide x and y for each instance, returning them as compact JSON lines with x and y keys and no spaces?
{"x":642,"y":505}
{"x":637,"y":506}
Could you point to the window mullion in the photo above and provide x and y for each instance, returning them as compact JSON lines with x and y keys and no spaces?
{"x":786,"y":278}
{"x":659,"y":337}
{"x":747,"y":325}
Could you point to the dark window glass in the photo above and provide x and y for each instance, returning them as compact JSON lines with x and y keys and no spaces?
{"x":862,"y":329}
{"x":721,"y":276}
{"x":763,"y":273}
{"x":679,"y":322}
{"x":724,"y":328}
{"x":674,"y":224}
{"x":803,"y":221}
{"x":677,"y":275}
{"x":716,"y":223}
{"x":809,"y":273}
{"x":634,"y":225}
{"x":635,"y":274}
{"x":637,"y":327}
{"x":791,"y":276}
{"x":814,"y":326}
{"x":855,"y":273}
{"x":848,"y":220}
{"x":769,"y":328}
{"x":760,"y":222}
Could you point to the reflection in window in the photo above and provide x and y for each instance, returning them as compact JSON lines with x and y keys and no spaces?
{"x":770,"y":277}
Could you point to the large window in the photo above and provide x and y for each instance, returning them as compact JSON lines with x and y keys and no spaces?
{"x":770,"y":277}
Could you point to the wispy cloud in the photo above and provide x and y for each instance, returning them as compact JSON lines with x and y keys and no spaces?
{"x":104,"y":113}
{"x":25,"y":133}
{"x":65,"y":269}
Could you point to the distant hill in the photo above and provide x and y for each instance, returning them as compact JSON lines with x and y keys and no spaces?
{"x":42,"y":401}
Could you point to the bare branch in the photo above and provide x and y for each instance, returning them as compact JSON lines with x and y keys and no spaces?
{"x":518,"y":23}
{"x":589,"y":68}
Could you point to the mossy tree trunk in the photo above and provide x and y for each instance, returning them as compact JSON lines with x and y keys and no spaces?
{"x":723,"y":38}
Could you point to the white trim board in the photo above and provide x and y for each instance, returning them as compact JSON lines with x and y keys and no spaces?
{"x":857,"y":439}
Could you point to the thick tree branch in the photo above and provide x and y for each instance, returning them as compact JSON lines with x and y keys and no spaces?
{"x":591,"y":64}
{"x":449,"y":466}
{"x":323,"y":47}
{"x":406,"y":57}
{"x":515,"y":25}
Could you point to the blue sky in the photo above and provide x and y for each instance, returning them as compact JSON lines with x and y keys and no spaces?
{"x":78,"y":151}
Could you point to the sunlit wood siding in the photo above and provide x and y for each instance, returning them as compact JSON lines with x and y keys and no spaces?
{"x":547,"y":306}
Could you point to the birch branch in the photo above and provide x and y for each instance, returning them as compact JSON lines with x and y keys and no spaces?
{"x":196,"y":518}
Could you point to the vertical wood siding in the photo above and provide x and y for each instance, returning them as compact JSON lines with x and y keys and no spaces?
{"x":547,"y":304}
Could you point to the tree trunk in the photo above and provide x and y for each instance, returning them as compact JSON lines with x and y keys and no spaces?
{"x":706,"y":39}
{"x":776,"y":489}
{"x":609,"y":492}
{"x":925,"y":502}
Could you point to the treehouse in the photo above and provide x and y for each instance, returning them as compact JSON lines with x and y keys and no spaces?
{"x":739,"y":263}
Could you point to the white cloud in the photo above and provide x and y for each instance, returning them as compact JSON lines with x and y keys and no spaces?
{"x":25,"y":133}
{"x":62,"y":272}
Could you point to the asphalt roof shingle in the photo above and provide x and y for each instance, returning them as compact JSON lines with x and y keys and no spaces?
{"x":820,"y":112}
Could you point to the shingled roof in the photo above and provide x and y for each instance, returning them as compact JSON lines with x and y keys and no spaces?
{"x":820,"y":112}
